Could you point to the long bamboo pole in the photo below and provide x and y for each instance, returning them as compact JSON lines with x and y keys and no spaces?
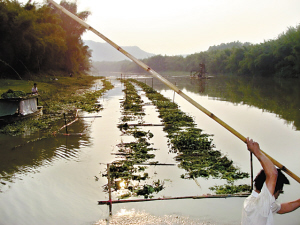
{"x":170,"y":85}
{"x":173,"y":198}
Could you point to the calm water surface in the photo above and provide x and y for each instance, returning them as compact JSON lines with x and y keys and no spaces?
{"x":59,"y":180}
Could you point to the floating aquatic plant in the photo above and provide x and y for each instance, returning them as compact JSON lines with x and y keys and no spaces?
{"x":135,"y":152}
{"x":230,"y":188}
{"x":195,"y":151}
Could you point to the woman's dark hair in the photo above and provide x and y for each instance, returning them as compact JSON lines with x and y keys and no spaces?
{"x":261,"y":178}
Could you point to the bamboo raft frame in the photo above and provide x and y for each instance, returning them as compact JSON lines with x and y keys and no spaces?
{"x":172,"y":86}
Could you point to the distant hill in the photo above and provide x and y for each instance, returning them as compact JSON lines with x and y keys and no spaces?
{"x":105,"y":52}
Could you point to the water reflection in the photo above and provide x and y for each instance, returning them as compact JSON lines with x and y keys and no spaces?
{"x":20,"y":155}
{"x":279,"y":96}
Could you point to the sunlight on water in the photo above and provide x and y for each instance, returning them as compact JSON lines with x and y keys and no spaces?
{"x":133,"y":217}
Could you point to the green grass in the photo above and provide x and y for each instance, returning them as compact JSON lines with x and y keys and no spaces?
{"x":58,"y":94}
{"x":15,"y":85}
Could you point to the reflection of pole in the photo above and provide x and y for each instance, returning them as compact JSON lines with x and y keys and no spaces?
{"x":109,"y":189}
{"x":170,"y":85}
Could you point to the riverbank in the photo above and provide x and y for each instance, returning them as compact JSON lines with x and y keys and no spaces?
{"x":58,"y":94}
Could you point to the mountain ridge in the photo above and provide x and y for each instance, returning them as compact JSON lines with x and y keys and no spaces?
{"x":105,"y":52}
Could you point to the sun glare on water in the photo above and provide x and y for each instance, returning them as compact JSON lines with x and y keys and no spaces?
{"x":134,"y":217}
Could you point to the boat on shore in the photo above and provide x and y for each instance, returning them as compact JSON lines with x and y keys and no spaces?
{"x":18,"y":108}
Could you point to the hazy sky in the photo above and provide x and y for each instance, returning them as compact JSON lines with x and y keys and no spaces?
{"x":171,"y":27}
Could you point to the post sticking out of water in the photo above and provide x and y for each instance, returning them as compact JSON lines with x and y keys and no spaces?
{"x":170,"y":85}
{"x":109,"y":189}
{"x":66,"y":123}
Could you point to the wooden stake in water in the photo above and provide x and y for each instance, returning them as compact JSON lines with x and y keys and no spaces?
{"x":66,"y":123}
{"x":109,"y":190}
{"x":170,"y":85}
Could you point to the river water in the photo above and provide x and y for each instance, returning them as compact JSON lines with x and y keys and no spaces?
{"x":59,"y":180}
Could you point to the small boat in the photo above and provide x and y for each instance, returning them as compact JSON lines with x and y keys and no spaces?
{"x":18,"y":108}
{"x":204,"y":77}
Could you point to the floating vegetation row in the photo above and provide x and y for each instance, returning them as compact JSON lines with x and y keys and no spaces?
{"x":132,"y":104}
{"x":126,"y":172}
{"x":87,"y":101}
{"x":195,"y":150}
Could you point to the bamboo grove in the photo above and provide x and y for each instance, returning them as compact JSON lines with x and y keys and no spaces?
{"x":276,"y":58}
{"x":39,"y":38}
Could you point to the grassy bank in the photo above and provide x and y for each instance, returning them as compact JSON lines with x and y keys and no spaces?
{"x":58,"y":94}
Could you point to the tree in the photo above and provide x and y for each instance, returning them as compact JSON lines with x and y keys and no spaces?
{"x":37,"y":39}
{"x":77,"y":54}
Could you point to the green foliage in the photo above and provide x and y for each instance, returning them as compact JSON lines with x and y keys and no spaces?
{"x":147,"y":190}
{"x":195,"y":151}
{"x":39,"y":38}
{"x":57,"y":97}
{"x":30,"y":126}
{"x":173,"y":118}
{"x":13,"y":94}
{"x":230,"y":188}
{"x":197,"y":156}
{"x":277,"y":58}
{"x":231,"y":45}
{"x":132,"y":104}
{"x":135,"y":152}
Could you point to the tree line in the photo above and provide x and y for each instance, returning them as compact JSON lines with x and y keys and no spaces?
{"x":37,"y":38}
{"x":278,"y":58}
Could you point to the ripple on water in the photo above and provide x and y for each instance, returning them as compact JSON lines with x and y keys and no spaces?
{"x":65,"y":152}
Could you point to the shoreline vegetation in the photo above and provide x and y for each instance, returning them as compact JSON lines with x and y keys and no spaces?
{"x":38,"y":38}
{"x":277,"y":58}
{"x":58,"y":95}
